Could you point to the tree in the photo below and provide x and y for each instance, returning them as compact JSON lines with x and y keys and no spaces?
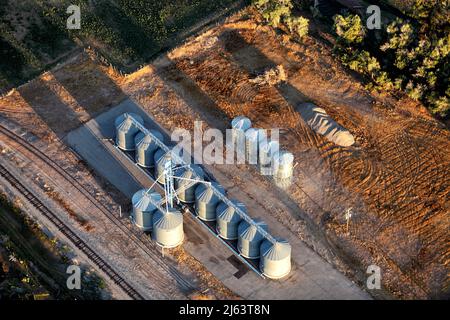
{"x":298,"y":26}
{"x":273,"y":11}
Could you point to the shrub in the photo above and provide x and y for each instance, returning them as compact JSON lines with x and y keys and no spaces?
{"x":298,"y":26}
{"x":273,"y":11}
{"x":349,"y":29}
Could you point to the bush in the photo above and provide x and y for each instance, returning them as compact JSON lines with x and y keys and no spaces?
{"x":298,"y":26}
{"x":273,"y":11}
{"x":349,"y":29}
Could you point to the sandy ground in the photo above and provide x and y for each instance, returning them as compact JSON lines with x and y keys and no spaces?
{"x":395,"y":178}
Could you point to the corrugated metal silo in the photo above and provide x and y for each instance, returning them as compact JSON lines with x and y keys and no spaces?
{"x":185,"y":188}
{"x":206,"y":201}
{"x":267,"y":150}
{"x":161,"y":157}
{"x":168,"y":228}
{"x":253,"y":139}
{"x":249,"y":239}
{"x":283,"y":165}
{"x":146,"y":148}
{"x":239,"y":126}
{"x":228,"y":220}
{"x":143,"y":208}
{"x":275,"y":260}
{"x":126,"y":130}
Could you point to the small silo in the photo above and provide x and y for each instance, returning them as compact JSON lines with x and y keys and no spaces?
{"x":206,"y":201}
{"x":253,"y":139}
{"x":275,"y":260}
{"x":249,"y":238}
{"x":283,"y":165}
{"x":143,"y":208}
{"x":228,"y":220}
{"x":168,"y":228}
{"x":239,"y":126}
{"x":146,"y":148}
{"x":161,"y":157}
{"x":267,"y":150}
{"x":126,"y":130}
{"x":185,"y":188}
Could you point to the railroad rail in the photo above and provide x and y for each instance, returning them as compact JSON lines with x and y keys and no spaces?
{"x":66,"y":231}
{"x":139,"y":238}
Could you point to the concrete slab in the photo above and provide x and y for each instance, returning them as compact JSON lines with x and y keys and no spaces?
{"x":311,"y":276}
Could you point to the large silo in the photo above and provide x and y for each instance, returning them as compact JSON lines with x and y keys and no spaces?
{"x":168,"y":228}
{"x":161,"y":158}
{"x":283,"y":165}
{"x":253,"y":139}
{"x":249,"y":238}
{"x":184,"y":186}
{"x":239,"y":125}
{"x":206,"y":201}
{"x":146,"y":148}
{"x":143,"y":208}
{"x":228,"y":220}
{"x":126,"y":130}
{"x":275,"y":260}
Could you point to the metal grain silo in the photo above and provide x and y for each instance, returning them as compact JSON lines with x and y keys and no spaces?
{"x":126,"y":130}
{"x":228,"y":220}
{"x":275,"y":260}
{"x":283,"y":165}
{"x":168,"y":228}
{"x":161,"y":157}
{"x":239,"y":125}
{"x":146,"y":148}
{"x":206,"y":201}
{"x":143,"y":208}
{"x":267,"y":150}
{"x":186,"y":188}
{"x":253,"y":139}
{"x":249,"y":238}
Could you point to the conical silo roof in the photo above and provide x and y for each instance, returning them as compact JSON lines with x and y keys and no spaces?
{"x":241,"y":123}
{"x":190,"y":172}
{"x":227,"y":213}
{"x":124,"y":123}
{"x":203,"y":193}
{"x":277,"y":251}
{"x":167,"y":220}
{"x":144,"y":141}
{"x":144,"y":201}
{"x":250,"y":232}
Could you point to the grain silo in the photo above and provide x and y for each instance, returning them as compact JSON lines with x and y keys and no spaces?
{"x":161,"y":158}
{"x":239,"y":126}
{"x":143,"y":208}
{"x":283,"y":165}
{"x":267,"y":150}
{"x":184,"y":187}
{"x":146,"y":148}
{"x":126,"y":130}
{"x":228,"y":219}
{"x":249,"y":238}
{"x":253,"y":139}
{"x":168,"y":228}
{"x":275,"y":260}
{"x":206,"y":201}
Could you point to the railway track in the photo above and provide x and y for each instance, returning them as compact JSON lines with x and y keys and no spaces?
{"x":66,"y":231}
{"x":139,"y":238}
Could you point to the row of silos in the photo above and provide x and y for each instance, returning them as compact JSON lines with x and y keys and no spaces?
{"x":258,"y":149}
{"x":167,"y":225}
{"x":275,"y":259}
